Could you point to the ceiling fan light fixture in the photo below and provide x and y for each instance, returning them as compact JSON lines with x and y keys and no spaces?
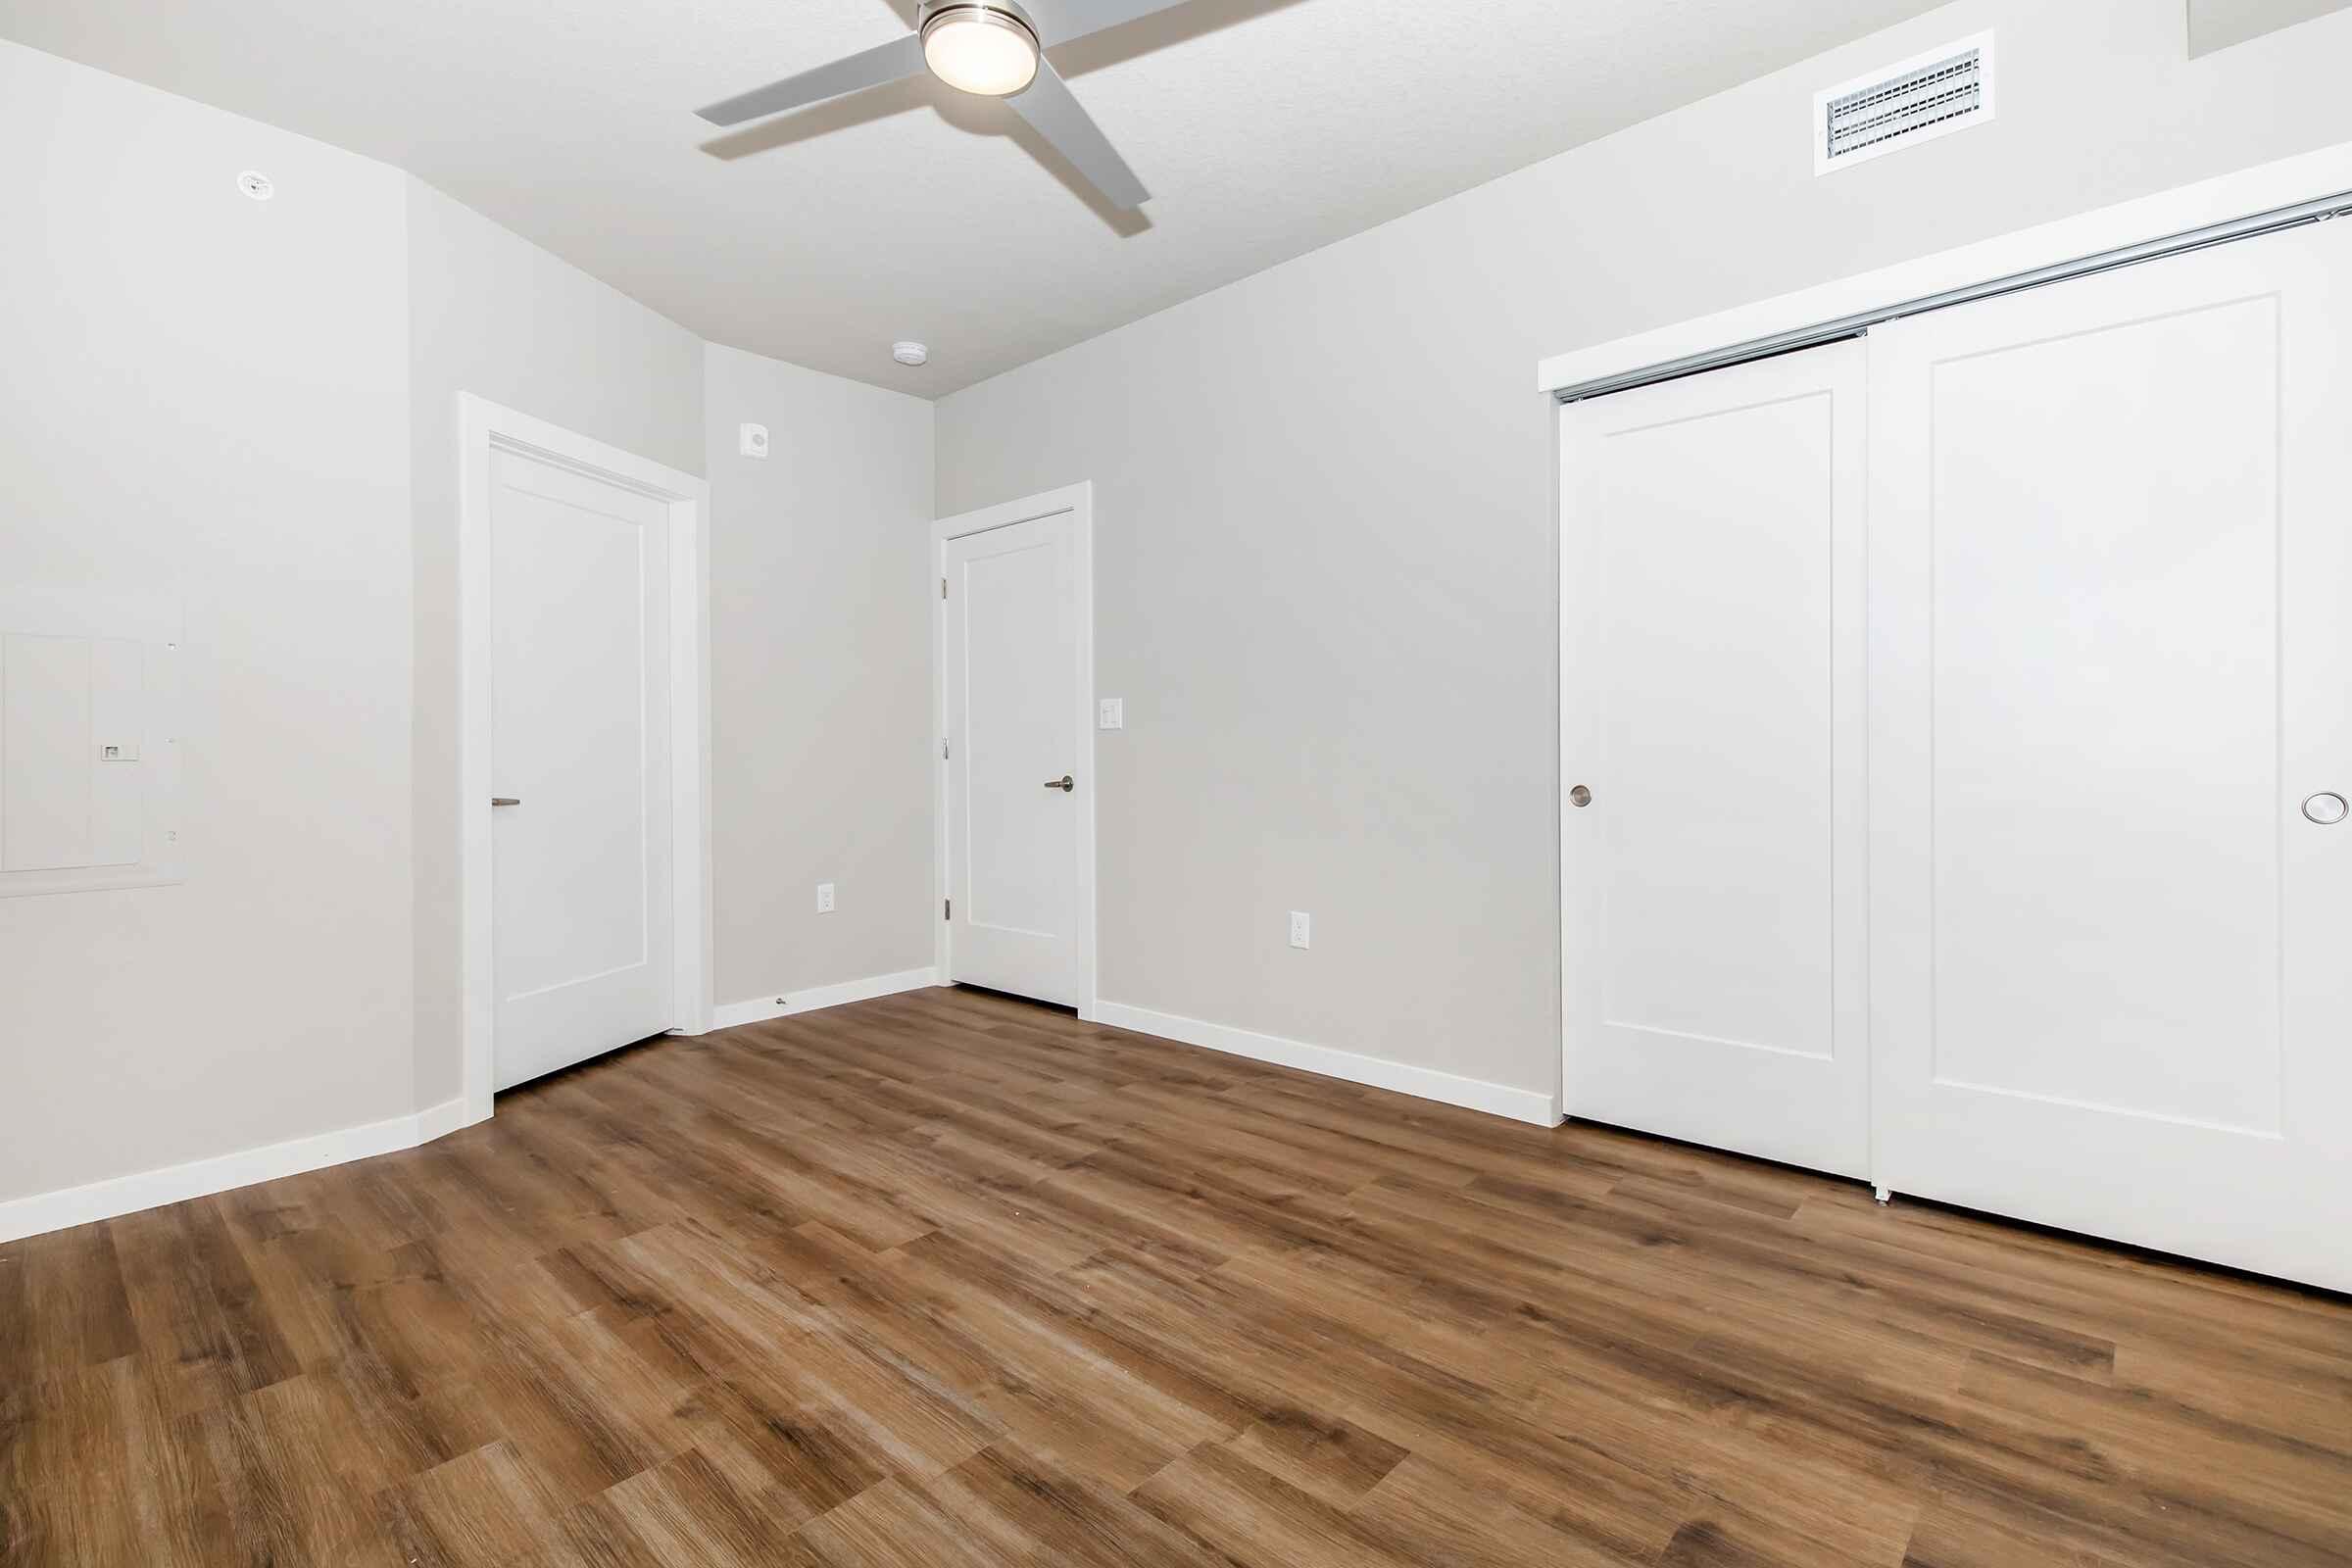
{"x":978,"y":47}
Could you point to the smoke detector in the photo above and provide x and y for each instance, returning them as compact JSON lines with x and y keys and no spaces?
{"x":909,"y":353}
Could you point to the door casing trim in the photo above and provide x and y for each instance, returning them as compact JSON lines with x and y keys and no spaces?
{"x":483,"y":429}
{"x":1077,"y":500}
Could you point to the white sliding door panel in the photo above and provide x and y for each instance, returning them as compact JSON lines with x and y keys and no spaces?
{"x":1011,"y":697}
{"x":2110,"y":574}
{"x":1712,"y":693}
{"x":581,"y":742}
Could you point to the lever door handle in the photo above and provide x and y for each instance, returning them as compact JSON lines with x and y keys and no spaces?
{"x":1065,"y":783}
{"x":505,"y":799}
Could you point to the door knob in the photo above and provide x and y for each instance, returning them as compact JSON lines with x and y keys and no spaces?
{"x":1065,"y":783}
{"x":2326,"y":808}
{"x":505,"y":799}
{"x":1580,"y":796}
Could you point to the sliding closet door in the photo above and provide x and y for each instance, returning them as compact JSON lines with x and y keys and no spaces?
{"x":1712,"y":704}
{"x":2111,"y":698}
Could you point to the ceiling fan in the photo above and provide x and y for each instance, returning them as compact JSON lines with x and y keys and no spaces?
{"x":991,"y":48}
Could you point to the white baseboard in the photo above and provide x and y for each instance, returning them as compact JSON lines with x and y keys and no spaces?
{"x":435,"y":1121}
{"x":127,"y":1194}
{"x":200,"y":1178}
{"x":729,"y":1016}
{"x":1426,"y":1083}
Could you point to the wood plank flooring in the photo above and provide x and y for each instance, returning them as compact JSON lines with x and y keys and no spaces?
{"x":947,"y":1280}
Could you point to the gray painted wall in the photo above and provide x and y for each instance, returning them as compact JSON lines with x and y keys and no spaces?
{"x":2219,"y":23}
{"x":820,"y":708}
{"x":1325,"y":558}
{"x":208,"y":394}
{"x":256,"y":404}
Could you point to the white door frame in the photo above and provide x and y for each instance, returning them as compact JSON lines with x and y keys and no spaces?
{"x":485,"y":428}
{"x":1078,"y":500}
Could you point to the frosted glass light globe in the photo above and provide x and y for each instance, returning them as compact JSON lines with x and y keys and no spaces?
{"x":980,"y":49}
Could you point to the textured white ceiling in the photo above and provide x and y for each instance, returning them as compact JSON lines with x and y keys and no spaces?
{"x":1264,"y":128}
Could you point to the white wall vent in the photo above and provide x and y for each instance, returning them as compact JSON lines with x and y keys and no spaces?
{"x":1927,"y":96}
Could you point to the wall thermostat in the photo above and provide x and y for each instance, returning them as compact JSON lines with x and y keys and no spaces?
{"x":751,"y":440}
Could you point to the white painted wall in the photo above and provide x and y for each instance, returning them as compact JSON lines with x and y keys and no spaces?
{"x":820,"y":708}
{"x":210,"y":394}
{"x":1325,"y":536}
{"x":494,"y":315}
{"x":253,"y":405}
{"x":2219,"y":23}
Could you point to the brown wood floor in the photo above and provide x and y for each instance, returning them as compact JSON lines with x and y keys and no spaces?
{"x":947,"y":1280}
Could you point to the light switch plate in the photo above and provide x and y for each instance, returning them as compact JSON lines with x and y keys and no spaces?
{"x":751,"y":440}
{"x":1111,"y":714}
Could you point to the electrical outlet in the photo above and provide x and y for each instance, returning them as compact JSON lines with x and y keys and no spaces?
{"x":1298,"y":931}
{"x":824,"y":897}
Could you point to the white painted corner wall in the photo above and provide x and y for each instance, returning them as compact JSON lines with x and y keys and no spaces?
{"x":306,"y":974}
{"x":820,"y":659}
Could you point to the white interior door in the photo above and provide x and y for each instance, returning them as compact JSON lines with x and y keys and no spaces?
{"x":2111,"y":587}
{"x":1712,"y":703}
{"x":580,"y":743}
{"x":1012,"y":704}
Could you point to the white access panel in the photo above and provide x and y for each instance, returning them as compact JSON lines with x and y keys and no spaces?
{"x":46,"y":762}
{"x":89,"y":748}
{"x":1712,"y":707}
{"x":2111,"y":581}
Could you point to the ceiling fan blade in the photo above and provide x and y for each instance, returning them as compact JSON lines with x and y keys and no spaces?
{"x":1060,"y":21}
{"x":1056,"y":115}
{"x":891,"y":62}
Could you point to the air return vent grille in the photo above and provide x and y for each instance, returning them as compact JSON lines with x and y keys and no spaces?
{"x":1941,"y":91}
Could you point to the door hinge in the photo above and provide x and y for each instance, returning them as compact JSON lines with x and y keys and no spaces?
{"x":942,"y":587}
{"x":947,"y":909}
{"x":943,"y":750}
